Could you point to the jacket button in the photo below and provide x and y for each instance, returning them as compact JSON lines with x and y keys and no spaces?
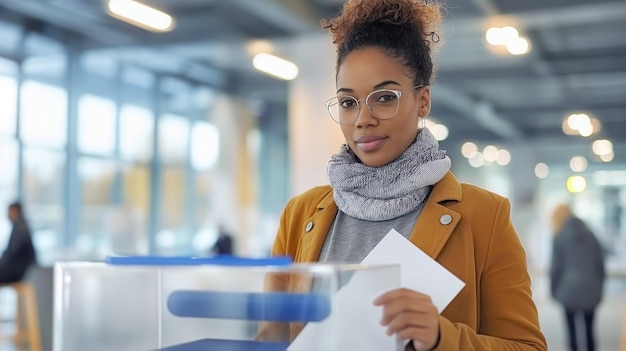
{"x":445,"y":219}
{"x":309,"y":226}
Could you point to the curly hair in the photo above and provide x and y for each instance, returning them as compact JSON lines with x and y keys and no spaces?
{"x":404,"y":29}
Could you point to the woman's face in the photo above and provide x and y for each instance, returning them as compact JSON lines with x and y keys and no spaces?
{"x":377,"y":142}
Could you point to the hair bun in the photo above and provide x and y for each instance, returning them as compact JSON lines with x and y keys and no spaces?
{"x":422,"y":16}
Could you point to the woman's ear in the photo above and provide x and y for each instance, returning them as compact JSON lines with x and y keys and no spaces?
{"x":424,"y":101}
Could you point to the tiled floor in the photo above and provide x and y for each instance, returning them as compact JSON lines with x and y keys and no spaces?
{"x":608,"y":321}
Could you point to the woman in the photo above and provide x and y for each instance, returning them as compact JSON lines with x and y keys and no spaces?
{"x":391,"y":174}
{"x":577,"y":272}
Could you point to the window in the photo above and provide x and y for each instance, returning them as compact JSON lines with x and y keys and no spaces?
{"x":8,"y":107}
{"x":96,"y":125}
{"x":8,"y":185}
{"x":173,"y":139}
{"x":43,"y":188}
{"x":136,"y":133}
{"x":136,"y":207}
{"x":44,"y":115}
{"x":205,"y":143}
{"x":96,"y":223}
{"x":172,"y":235}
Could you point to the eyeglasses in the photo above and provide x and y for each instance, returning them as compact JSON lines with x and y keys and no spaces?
{"x":382,"y":104}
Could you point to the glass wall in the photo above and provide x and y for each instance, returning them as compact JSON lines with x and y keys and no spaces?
{"x":8,"y":182}
{"x":8,"y":142}
{"x":43,"y":177}
{"x":113,"y":158}
{"x":136,"y":151}
{"x":43,"y":126}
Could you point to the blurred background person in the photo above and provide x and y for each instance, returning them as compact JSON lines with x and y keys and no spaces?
{"x":577,"y":273}
{"x":224,"y":243}
{"x":19,"y":254}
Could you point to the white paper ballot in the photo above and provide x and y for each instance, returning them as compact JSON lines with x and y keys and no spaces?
{"x":419,"y":271}
{"x":354,"y":323}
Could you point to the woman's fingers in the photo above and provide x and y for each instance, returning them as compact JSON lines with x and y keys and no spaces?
{"x":410,"y":315}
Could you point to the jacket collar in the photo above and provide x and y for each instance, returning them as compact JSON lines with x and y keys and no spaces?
{"x":429,"y":234}
{"x":436,"y":221}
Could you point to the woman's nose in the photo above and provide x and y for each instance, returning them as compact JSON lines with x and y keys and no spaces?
{"x":365,"y":117}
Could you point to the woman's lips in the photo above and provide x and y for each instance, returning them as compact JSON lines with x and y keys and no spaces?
{"x":370,"y":143}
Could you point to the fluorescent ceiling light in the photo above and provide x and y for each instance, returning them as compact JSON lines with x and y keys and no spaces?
{"x":275,"y":66}
{"x":141,"y":15}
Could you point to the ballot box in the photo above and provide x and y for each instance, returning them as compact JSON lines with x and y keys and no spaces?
{"x":218,"y":304}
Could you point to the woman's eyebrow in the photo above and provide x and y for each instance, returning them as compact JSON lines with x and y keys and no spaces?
{"x":377,"y":86}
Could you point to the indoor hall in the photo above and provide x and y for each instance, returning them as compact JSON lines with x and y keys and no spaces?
{"x":123,"y":139}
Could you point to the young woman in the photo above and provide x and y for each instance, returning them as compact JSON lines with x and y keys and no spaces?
{"x":390,"y":173}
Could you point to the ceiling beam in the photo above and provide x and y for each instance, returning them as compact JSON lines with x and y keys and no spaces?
{"x":563,"y":16}
{"x":486,"y":6}
{"x":293,"y":16}
{"x":11,"y":56}
{"x":481,"y":112}
{"x":76,"y":20}
{"x":590,"y":13}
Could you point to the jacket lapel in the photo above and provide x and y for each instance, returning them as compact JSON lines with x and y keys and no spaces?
{"x":436,"y":222}
{"x":315,"y":229}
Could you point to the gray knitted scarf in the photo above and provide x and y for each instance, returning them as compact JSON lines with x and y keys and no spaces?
{"x":389,"y":191}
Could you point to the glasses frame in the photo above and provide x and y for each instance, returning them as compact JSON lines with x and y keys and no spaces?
{"x":397,"y":93}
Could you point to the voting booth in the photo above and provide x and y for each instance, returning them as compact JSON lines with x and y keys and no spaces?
{"x":219,"y":304}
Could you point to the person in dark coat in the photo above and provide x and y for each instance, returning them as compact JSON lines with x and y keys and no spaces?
{"x":577,"y":273}
{"x":224,"y":243}
{"x":19,"y":254}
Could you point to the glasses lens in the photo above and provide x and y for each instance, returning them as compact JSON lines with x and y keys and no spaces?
{"x":383,"y":104}
{"x":343,"y":109}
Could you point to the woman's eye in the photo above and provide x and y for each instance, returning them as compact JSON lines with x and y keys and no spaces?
{"x":347,"y":103}
{"x":386,"y":97}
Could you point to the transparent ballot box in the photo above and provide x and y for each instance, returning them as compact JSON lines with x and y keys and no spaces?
{"x":143,"y":304}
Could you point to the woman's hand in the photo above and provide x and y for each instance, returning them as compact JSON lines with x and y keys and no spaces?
{"x":410,"y":315}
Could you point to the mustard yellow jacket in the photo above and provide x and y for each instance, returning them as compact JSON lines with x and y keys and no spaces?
{"x":495,"y":310}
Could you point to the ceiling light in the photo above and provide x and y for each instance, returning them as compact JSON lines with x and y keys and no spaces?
{"x":275,"y":66}
{"x":582,"y":123}
{"x":509,"y":37}
{"x":517,"y":46}
{"x":477,"y":160}
{"x":578,"y":164}
{"x":494,"y":36}
{"x":602,"y":147}
{"x":504,"y":157}
{"x":469,"y":149}
{"x":141,"y":15}
{"x":509,"y":33}
{"x":576,"y":121}
{"x":440,"y":132}
{"x":490,"y":153}
{"x":608,"y":157}
{"x":586,"y":130}
{"x":567,"y":130}
{"x":595,"y":124}
{"x":542,"y":170}
{"x":576,"y":184}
